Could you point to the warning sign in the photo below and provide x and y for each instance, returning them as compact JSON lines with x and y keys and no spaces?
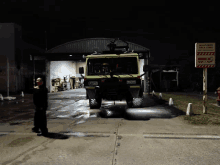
{"x":204,"y":55}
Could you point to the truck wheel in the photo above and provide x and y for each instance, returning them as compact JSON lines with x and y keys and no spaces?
{"x":93,"y":103}
{"x":99,"y":102}
{"x":138,"y":102}
{"x":142,"y":86}
{"x":129,"y":103}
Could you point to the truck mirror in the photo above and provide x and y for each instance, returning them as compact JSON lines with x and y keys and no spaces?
{"x":146,"y":68}
{"x":81,"y":70}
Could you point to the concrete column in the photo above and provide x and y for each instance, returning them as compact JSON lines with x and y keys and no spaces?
{"x":48,"y":80}
{"x":205,"y":90}
{"x":160,"y":78}
{"x":33,"y":58}
{"x":149,"y":82}
{"x":7,"y":77}
{"x":177,"y":78}
{"x":145,"y":78}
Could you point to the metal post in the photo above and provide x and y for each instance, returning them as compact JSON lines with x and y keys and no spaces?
{"x":177,"y":78}
{"x":149,"y":72}
{"x":7,"y":77}
{"x":145,"y":77}
{"x":160,"y":78}
{"x":34,"y":71}
{"x":204,"y":90}
{"x":46,"y":39}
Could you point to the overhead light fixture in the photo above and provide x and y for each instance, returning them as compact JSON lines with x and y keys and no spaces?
{"x":70,"y":55}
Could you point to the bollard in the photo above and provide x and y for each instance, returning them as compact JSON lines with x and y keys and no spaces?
{"x":1,"y":97}
{"x":22,"y":94}
{"x":153,"y":93}
{"x":160,"y":96}
{"x":189,"y":110}
{"x":170,"y":102}
{"x":218,"y":99}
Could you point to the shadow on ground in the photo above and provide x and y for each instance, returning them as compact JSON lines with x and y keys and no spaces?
{"x":153,"y":108}
{"x":57,"y":136}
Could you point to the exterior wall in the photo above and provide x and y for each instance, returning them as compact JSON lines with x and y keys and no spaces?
{"x":7,"y":40}
{"x":48,"y":80}
{"x":18,"y":52}
{"x":7,"y":51}
{"x":19,"y":81}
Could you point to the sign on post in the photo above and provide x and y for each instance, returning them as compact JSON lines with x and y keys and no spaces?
{"x":205,"y":55}
{"x":204,"y":58}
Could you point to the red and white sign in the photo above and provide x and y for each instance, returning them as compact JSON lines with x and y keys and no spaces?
{"x":204,"y":55}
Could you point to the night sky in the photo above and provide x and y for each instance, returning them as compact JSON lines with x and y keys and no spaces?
{"x":168,"y":29}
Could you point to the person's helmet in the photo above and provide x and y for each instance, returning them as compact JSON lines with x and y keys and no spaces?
{"x":39,"y":79}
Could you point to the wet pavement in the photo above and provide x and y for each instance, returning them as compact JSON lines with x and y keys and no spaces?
{"x":113,"y":134}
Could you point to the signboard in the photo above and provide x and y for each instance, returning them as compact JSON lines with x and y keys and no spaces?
{"x":204,"y":55}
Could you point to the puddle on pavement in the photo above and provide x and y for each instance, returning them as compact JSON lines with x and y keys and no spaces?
{"x":17,"y":123}
{"x":54,"y":101}
{"x":20,"y":141}
{"x":79,"y":110}
{"x":63,"y":116}
{"x":62,"y":110}
{"x":81,"y":134}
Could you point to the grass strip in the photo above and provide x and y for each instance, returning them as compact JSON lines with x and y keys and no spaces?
{"x":181,"y":102}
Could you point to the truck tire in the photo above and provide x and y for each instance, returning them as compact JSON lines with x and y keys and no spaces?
{"x":129,"y":103}
{"x":95,"y":103}
{"x":137,"y":102}
{"x":99,"y":102}
{"x":142,"y":85}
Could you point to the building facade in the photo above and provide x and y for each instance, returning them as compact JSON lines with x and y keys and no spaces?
{"x":19,"y":69}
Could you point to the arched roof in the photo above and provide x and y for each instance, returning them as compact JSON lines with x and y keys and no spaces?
{"x":89,"y":45}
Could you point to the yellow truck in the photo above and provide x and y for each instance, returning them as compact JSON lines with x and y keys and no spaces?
{"x":113,"y":77}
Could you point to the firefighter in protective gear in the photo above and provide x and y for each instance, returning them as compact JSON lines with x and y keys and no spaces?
{"x":40,"y":99}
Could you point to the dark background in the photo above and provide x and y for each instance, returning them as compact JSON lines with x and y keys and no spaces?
{"x":167,"y":29}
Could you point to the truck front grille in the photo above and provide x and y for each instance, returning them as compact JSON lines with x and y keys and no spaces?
{"x":111,"y":92}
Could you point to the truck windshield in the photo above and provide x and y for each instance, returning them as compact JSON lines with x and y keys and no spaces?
{"x":120,"y":66}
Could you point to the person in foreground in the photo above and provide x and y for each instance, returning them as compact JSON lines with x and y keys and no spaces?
{"x":40,"y":99}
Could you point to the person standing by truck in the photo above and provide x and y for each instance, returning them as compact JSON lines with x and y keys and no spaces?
{"x":40,"y":99}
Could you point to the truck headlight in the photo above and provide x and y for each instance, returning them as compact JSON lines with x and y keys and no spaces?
{"x":93,"y":82}
{"x":131,"y":81}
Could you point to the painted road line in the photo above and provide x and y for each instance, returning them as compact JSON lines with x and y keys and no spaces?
{"x":173,"y":136}
{"x":161,"y":136}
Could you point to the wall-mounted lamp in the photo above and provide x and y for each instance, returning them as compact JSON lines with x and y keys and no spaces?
{"x":70,"y":55}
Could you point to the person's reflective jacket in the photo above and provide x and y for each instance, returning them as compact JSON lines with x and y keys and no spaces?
{"x":40,"y":97}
